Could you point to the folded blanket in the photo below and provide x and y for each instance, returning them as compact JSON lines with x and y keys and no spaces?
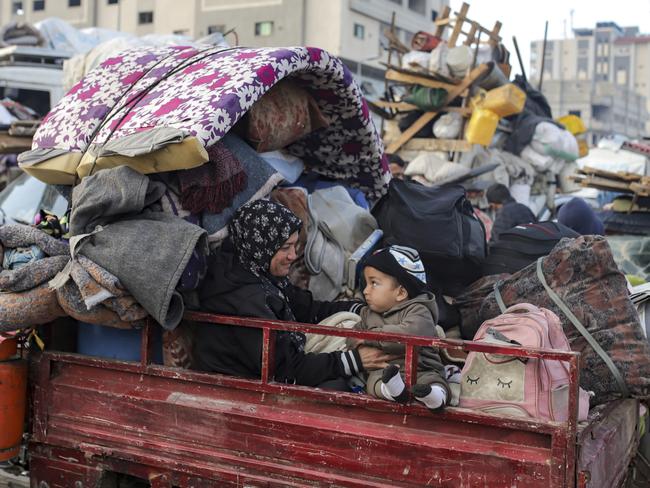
{"x":33,"y":274}
{"x":213,"y":185}
{"x":19,"y":235}
{"x":95,"y":296}
{"x":28,"y":308}
{"x":31,"y":271}
{"x":147,"y":251}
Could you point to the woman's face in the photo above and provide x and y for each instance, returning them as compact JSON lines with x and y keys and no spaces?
{"x":282,"y":259}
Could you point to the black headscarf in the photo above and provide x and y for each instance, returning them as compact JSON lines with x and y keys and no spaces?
{"x":258,"y":230}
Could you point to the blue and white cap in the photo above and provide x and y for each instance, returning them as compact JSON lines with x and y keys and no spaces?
{"x":409,"y":259}
{"x":404,"y":264}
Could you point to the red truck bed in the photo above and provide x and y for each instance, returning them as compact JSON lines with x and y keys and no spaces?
{"x":183,"y":428}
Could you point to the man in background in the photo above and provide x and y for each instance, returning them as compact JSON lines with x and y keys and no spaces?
{"x":397,"y":166}
{"x":509,"y":213}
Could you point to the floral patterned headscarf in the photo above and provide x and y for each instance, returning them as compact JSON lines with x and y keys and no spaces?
{"x":258,"y":230}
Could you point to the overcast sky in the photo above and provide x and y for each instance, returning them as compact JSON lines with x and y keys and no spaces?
{"x":525,"y":19}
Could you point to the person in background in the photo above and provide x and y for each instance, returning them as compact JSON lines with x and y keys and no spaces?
{"x":475,"y":192}
{"x":579,"y":216}
{"x":509,"y":213}
{"x":247,"y":277}
{"x":397,"y":166}
{"x":398,"y":301}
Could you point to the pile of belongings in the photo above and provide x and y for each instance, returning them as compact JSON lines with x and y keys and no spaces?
{"x":531,"y":148}
{"x":511,"y":123}
{"x":20,"y":33}
{"x":629,"y":212}
{"x":17,"y":126}
{"x":157,"y":148}
{"x":580,"y":282}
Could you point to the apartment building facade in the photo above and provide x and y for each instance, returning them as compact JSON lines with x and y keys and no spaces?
{"x":350,"y":29}
{"x":601,"y":74}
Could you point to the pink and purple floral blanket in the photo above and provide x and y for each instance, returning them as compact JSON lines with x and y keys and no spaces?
{"x":205,"y":91}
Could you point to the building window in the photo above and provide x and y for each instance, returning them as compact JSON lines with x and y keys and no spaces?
{"x":145,"y":17}
{"x":74,"y":3}
{"x":17,"y":8}
{"x":419,"y":6}
{"x":359,"y":31}
{"x":264,"y":29}
{"x":408,"y":37}
{"x":213,"y":29}
{"x":434,"y":15}
{"x":39,"y":5}
{"x":181,"y":32}
{"x":113,"y":2}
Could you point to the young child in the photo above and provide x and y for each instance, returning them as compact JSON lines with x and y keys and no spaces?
{"x":398,"y":301}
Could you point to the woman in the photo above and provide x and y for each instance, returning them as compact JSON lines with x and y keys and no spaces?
{"x":248,"y":277}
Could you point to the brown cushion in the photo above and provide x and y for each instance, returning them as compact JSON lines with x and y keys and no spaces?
{"x":282,"y":116}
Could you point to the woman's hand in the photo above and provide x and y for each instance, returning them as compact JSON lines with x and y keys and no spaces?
{"x":354,"y":343}
{"x":373,"y":358}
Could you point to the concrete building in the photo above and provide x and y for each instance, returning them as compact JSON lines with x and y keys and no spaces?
{"x":350,"y":29}
{"x":601,"y":74}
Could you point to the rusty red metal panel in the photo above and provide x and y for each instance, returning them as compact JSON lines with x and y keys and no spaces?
{"x":410,"y":366}
{"x":139,"y":417}
{"x":146,"y":346}
{"x":48,"y":469}
{"x":268,"y":355}
{"x":106,"y":413}
{"x":473,"y":417}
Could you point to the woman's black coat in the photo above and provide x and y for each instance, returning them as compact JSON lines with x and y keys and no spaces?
{"x":230,"y":289}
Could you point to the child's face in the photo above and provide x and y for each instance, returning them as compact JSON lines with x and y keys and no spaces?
{"x":382,"y":292}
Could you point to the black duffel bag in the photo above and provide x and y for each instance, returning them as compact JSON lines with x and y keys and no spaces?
{"x":440,"y":223}
{"x":522,"y":245}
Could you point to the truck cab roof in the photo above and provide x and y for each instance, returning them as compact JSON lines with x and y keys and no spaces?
{"x":32,"y":76}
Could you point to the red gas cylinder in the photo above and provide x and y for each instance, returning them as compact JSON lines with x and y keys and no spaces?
{"x":13,"y":397}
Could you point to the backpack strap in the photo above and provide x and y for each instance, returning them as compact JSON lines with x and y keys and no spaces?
{"x":585,"y":333}
{"x":499,"y":298}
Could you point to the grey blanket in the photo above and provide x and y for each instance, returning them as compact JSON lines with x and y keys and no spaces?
{"x":147,"y":251}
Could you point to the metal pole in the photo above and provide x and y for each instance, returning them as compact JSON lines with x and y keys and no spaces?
{"x":521,"y":63}
{"x":541,"y":74}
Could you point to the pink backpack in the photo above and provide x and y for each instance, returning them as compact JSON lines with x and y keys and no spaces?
{"x":527,"y":387}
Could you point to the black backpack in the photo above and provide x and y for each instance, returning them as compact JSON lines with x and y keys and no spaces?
{"x":440,"y":223}
{"x":522,"y":245}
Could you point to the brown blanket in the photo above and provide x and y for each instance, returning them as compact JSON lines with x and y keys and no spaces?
{"x":28,"y":308}
{"x":95,"y":296}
